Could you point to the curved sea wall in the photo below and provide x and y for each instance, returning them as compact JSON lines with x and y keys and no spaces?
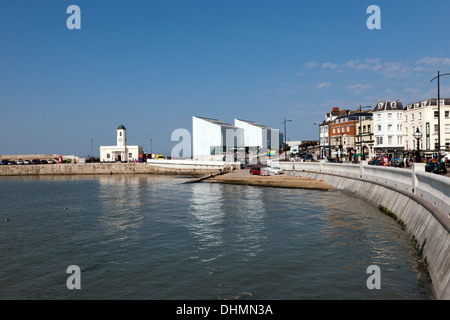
{"x":421,"y":200}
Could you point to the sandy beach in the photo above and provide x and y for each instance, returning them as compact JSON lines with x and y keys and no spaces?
{"x":243,"y":177}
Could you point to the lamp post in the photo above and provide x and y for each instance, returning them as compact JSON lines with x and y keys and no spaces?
{"x":361,"y":151}
{"x":438,"y":77}
{"x":320,"y":147}
{"x":285,"y":144}
{"x":92,"y":150}
{"x":418,"y":136}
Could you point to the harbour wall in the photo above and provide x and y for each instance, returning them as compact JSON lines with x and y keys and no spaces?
{"x":177,"y":167}
{"x":421,"y":200}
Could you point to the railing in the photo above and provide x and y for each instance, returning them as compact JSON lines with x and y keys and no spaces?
{"x":429,"y":186}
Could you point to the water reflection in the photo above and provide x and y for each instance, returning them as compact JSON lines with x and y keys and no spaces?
{"x":227,"y":216}
{"x":251,"y":211}
{"x":207,"y":215}
{"x":121,"y":203}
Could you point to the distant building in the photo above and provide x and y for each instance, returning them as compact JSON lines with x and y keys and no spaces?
{"x":423,"y":115}
{"x":209,"y":139}
{"x":388,"y":129}
{"x":120,"y":152}
{"x":258,"y":139}
{"x":215,"y":140}
{"x":325,"y":149}
{"x":342,"y":131}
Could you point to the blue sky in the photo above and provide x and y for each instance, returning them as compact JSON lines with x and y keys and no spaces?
{"x":152,"y":65}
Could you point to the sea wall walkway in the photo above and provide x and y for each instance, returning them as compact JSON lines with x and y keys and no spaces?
{"x":421,"y":200}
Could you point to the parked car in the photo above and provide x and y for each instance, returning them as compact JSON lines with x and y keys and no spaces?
{"x":51,"y":161}
{"x":433,"y":167}
{"x":4,"y":162}
{"x":35,"y":161}
{"x":20,"y":161}
{"x":255,"y":170}
{"x":27,"y":162}
{"x":43,"y":162}
{"x":376,"y":162}
{"x":11,"y":162}
{"x":275,"y":170}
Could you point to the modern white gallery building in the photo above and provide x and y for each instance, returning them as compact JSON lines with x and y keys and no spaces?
{"x":120,"y":152}
{"x":215,"y":140}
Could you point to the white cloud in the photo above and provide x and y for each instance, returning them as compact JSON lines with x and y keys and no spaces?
{"x":358,"y":88}
{"x":323,"y":85}
{"x":434,"y":61}
{"x":311,"y":64}
{"x":329,"y":65}
{"x":368,"y":64}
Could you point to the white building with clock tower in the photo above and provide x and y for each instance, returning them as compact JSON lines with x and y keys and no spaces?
{"x":120,"y":152}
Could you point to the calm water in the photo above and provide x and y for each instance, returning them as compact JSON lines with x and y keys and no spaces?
{"x":153,"y":237}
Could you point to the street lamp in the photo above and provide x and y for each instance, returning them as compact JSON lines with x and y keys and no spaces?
{"x":320,"y":141}
{"x":438,"y":77}
{"x":418,"y":136}
{"x":285,"y":144}
{"x":361,"y":150}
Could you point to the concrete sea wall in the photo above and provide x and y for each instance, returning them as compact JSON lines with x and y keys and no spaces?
{"x":419,"y":199}
{"x":158,"y":167}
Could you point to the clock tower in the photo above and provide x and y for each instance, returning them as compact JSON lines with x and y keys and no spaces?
{"x":121,"y":136}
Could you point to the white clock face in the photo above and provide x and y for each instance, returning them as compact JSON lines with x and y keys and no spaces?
{"x":120,"y":139}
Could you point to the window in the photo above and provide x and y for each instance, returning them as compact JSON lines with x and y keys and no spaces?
{"x":406,"y":130}
{"x":412,"y":117}
{"x":399,"y":140}
{"x":399,"y":116}
{"x":379,"y":140}
{"x":130,"y":155}
{"x":334,"y":130}
{"x":339,"y":130}
{"x":389,"y":116}
{"x":436,"y":114}
{"x":447,"y":144}
{"x":420,"y":115}
{"x":390,"y":140}
{"x":399,"y":127}
{"x":348,"y":129}
{"x":389,"y":127}
{"x":378,"y":116}
{"x":447,"y":128}
{"x":406,"y":117}
{"x":436,"y":129}
{"x":379,"y":127}
{"x":108,"y":155}
{"x":447,"y":114}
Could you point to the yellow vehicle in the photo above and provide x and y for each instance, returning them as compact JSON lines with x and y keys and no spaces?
{"x":159,"y":156}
